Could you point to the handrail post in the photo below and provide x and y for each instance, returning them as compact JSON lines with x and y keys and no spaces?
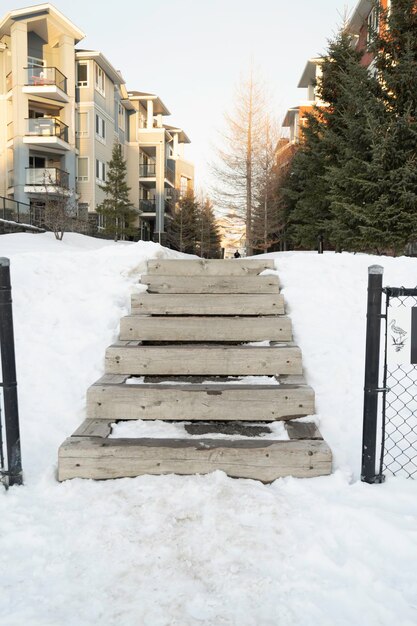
{"x":371,"y":389}
{"x":8,"y":362}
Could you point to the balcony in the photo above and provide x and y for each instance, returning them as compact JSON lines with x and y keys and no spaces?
{"x":10,"y":131}
{"x":9,"y":81}
{"x":147,"y":170}
{"x":148,"y":207}
{"x":170,"y":175}
{"x":46,"y":82}
{"x":46,"y":180}
{"x":47,"y":132}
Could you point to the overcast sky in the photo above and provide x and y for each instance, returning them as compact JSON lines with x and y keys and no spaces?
{"x":192,"y":52}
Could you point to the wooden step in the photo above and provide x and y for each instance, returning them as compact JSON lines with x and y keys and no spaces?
{"x":171,"y":328}
{"x":224,"y":402}
{"x":264,"y":460}
{"x":212,"y":267}
{"x":207,"y":304}
{"x":211,"y":284}
{"x":136,"y":359}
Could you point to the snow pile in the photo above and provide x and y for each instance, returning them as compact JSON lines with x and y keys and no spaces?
{"x":170,"y":550}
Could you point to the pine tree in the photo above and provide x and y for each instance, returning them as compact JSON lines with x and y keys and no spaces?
{"x":394,"y":212}
{"x":116,"y":209}
{"x":182,"y":232}
{"x":209,"y":245}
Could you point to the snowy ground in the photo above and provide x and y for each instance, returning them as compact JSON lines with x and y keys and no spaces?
{"x":171,"y":550}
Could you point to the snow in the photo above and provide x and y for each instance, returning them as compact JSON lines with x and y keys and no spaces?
{"x":210,"y":550}
{"x":162,"y":430}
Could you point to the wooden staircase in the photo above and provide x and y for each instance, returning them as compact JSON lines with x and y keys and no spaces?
{"x":189,"y":338}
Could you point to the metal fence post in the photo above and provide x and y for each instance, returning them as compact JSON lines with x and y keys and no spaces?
{"x":8,"y":362}
{"x":371,"y":389}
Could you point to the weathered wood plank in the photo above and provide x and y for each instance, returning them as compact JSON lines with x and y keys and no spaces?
{"x":207,"y":304}
{"x":172,"y":328}
{"x":303,"y":430}
{"x":94,"y":428}
{"x":209,"y":267}
{"x":211,"y":284}
{"x":82,"y":457}
{"x":224,"y":402}
{"x":203,"y":359}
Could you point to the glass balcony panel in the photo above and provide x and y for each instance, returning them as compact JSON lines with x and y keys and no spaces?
{"x":40,"y":76}
{"x":47,"y":127}
{"x":147,"y":170}
{"x":41,"y":176}
{"x":147,"y":206}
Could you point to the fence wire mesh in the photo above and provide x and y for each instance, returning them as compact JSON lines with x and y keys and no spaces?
{"x":399,"y":406}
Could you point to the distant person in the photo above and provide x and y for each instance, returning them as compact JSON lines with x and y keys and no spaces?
{"x":237,"y":254}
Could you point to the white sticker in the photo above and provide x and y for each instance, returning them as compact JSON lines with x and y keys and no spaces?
{"x":399,"y":336}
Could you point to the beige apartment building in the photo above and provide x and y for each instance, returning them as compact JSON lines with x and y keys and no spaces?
{"x":62,"y":109}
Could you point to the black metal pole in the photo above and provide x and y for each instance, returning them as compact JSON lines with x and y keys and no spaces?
{"x":320,"y":244}
{"x":8,"y":362}
{"x":371,"y":390}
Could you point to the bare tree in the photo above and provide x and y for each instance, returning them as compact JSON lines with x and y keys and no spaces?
{"x":60,"y":211}
{"x":267,"y":212}
{"x":237,"y":170}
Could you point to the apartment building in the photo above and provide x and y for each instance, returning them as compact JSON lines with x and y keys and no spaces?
{"x":363,"y":22}
{"x":61,"y":110}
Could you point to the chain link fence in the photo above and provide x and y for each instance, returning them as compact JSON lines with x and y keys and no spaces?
{"x":399,"y":406}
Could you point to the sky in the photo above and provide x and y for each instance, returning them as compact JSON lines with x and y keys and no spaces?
{"x":192,"y":53}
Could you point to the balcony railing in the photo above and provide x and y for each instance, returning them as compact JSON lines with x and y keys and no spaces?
{"x":46,"y":127}
{"x":40,"y":76}
{"x":10,"y":131}
{"x":47,"y":176}
{"x":147,"y":206}
{"x":170,"y":175}
{"x":9,"y":81}
{"x":147,"y":170}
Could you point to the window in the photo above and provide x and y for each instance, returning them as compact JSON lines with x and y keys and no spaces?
{"x":36,"y":62}
{"x":82,"y":124}
{"x":99,"y":77}
{"x":100,"y":171}
{"x":121,"y":116}
{"x":82,"y":74}
{"x":100,"y":129}
{"x":183,"y":186}
{"x":82,"y":169}
{"x":373,"y":24}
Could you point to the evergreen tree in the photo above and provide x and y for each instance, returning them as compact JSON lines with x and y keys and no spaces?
{"x":395,"y":164}
{"x":182,"y":232}
{"x":209,"y":245}
{"x":116,"y":209}
{"x":307,"y":189}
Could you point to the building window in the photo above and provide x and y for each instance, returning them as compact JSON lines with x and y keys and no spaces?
{"x":99,"y":78}
{"x":101,"y":222}
{"x":183,"y":186}
{"x":121,"y":116}
{"x":82,"y":74}
{"x":82,"y":124}
{"x":373,"y":25}
{"x":100,"y":171}
{"x":100,"y":129}
{"x":82,"y":169}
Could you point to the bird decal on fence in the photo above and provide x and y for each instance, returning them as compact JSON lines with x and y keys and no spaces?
{"x":398,"y":338}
